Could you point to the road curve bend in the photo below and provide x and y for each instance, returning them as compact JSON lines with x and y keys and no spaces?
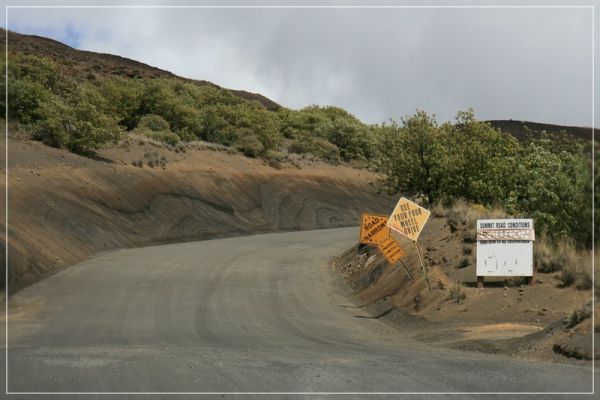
{"x":248,"y":314}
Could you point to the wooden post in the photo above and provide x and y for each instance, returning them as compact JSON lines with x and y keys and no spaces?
{"x":423,"y":266}
{"x":530,"y":280}
{"x":480,"y":282}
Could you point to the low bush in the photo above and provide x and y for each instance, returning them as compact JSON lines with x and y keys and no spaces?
{"x":579,"y":315}
{"x":456,"y":294}
{"x":274,"y":158}
{"x":250,"y":145}
{"x":157,"y":128}
{"x":167,"y":137}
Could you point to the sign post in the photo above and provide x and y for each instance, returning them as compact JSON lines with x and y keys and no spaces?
{"x":408,"y":219}
{"x":393,"y":253}
{"x":423,"y":266}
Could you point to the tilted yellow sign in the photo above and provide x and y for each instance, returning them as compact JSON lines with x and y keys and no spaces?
{"x":373,"y":228}
{"x":408,"y":218}
{"x":391,"y":250}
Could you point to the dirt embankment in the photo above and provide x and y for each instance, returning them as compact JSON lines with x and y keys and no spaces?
{"x":64,"y":208}
{"x":507,"y":316}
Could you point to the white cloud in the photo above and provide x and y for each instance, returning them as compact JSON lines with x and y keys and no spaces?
{"x":530,"y":64}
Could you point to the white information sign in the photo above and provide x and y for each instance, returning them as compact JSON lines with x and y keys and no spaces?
{"x":505,"y":247}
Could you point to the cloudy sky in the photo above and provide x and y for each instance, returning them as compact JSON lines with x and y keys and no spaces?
{"x":378,"y":63}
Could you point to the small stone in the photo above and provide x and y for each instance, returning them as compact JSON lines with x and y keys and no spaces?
{"x":505,"y":294}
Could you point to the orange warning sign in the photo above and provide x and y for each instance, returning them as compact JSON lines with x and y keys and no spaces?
{"x":373,"y":228}
{"x":408,"y":218}
{"x":391,"y":250}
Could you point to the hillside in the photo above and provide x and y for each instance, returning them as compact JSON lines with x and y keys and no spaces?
{"x":65,"y":208}
{"x":87,"y":65}
{"x":148,"y":138}
{"x":520,"y":129}
{"x":547,"y":320}
{"x":90,"y":65}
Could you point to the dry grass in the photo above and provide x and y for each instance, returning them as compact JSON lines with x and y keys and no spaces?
{"x":141,"y":140}
{"x":543,"y":256}
{"x":465,"y":213}
{"x":585,"y":280}
{"x":580,"y":315}
{"x":439,"y":210}
{"x":15,"y":130}
{"x":457,"y":294}
{"x":574,"y":266}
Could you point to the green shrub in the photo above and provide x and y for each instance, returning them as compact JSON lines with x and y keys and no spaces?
{"x":472,"y":160}
{"x":124,"y":99}
{"x":319,"y":147}
{"x":312,"y":126}
{"x":250,"y":145}
{"x":154,"y":123}
{"x":155,"y":127}
{"x":273,"y":157}
{"x":298,"y":147}
{"x":76,"y":123}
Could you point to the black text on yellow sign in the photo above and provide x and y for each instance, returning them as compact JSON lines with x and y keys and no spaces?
{"x":391,"y":250}
{"x":408,"y":218}
{"x":373,"y":228}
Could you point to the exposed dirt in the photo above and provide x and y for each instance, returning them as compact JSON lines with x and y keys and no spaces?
{"x":507,"y":316}
{"x":64,"y":208}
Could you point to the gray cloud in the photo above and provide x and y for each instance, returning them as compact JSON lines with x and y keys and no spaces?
{"x":533,"y":64}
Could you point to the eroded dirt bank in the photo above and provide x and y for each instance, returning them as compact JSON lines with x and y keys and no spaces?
{"x":64,"y":208}
{"x":542,"y":321}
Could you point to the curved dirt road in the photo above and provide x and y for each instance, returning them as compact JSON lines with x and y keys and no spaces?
{"x":248,"y":314}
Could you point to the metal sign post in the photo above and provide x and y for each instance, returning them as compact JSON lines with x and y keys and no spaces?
{"x":408,"y":219}
{"x":423,"y":266}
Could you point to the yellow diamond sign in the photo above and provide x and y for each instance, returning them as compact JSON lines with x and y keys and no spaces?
{"x":373,"y":228}
{"x":408,"y":218}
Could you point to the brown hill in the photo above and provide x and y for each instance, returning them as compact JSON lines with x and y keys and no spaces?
{"x":520,"y":129}
{"x":65,"y":208}
{"x":88,"y":64}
